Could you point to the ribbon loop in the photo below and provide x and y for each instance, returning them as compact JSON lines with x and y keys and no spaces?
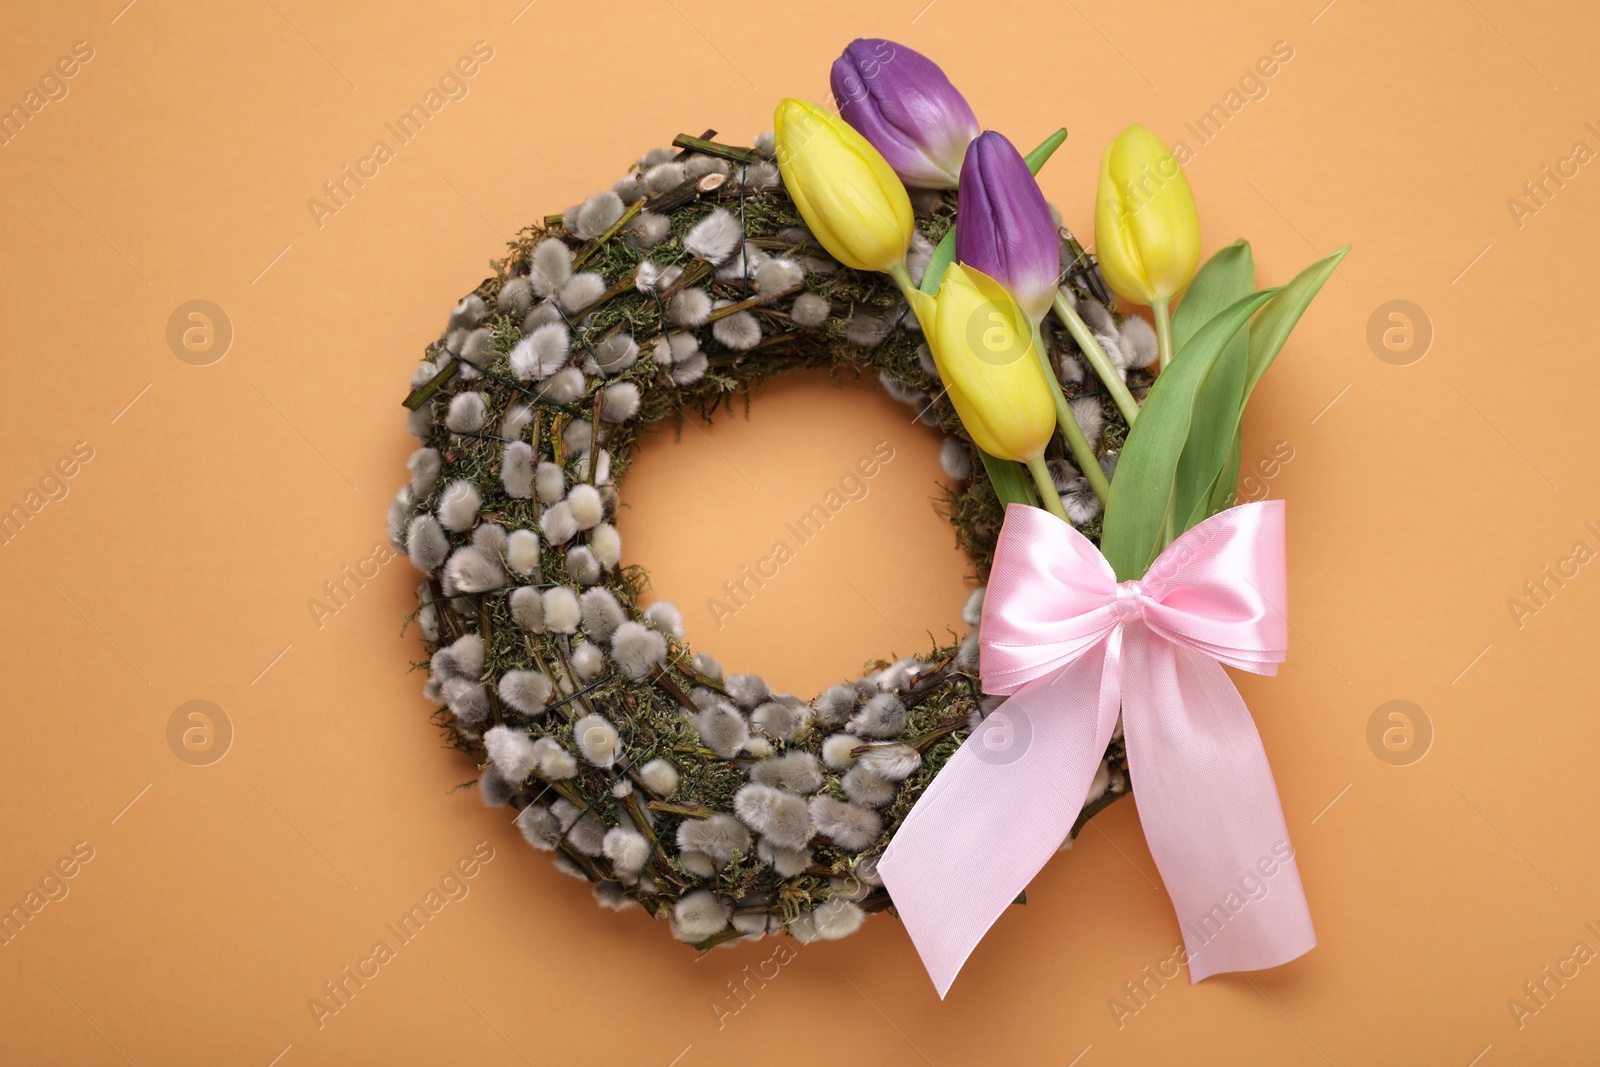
{"x":1070,"y":647}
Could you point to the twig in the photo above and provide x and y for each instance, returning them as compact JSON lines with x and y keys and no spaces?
{"x":744,"y":305}
{"x":486,"y":631}
{"x":692,"y":274}
{"x":944,"y":729}
{"x":661,"y":678}
{"x":583,"y":255}
{"x":714,"y":940}
{"x":419,"y":396}
{"x":693,"y":811}
{"x":684,"y":152}
{"x":609,"y":295}
{"x":712,"y":148}
{"x":442,"y":609}
{"x":658,"y":857}
{"x":685,"y":191}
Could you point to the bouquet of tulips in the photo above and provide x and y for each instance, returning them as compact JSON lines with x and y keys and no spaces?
{"x":997,"y":274}
{"x":1084,"y":644}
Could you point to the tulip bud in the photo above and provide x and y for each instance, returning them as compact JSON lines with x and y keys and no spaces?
{"x":901,"y":101}
{"x":848,"y":196}
{"x":1003,"y":225}
{"x":1147,"y":233}
{"x":983,"y":346}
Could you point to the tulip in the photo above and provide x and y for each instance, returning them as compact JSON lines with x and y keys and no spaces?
{"x":1147,"y":233}
{"x":1004,"y":230}
{"x":1146,"y":230}
{"x":901,"y":101}
{"x":851,"y":200}
{"x":984,"y":348}
{"x":982,"y":344}
{"x":1003,"y":225}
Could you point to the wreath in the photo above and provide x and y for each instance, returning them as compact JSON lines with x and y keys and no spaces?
{"x":643,"y":767}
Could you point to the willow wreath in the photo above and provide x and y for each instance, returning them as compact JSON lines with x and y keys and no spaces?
{"x":727,"y":809}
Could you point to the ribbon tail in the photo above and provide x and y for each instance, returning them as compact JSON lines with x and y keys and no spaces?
{"x":997,"y":811}
{"x":1210,"y":811}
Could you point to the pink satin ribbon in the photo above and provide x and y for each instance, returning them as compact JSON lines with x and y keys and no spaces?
{"x":1070,"y":647}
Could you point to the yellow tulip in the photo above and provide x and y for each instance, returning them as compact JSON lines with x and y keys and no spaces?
{"x":1147,"y":233}
{"x":983,"y":344}
{"x":850,"y":198}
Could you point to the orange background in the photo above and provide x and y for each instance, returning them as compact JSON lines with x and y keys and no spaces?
{"x":180,"y":563}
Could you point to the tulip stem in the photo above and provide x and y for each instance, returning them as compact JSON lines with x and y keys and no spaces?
{"x":1097,"y":359}
{"x":902,"y":278}
{"x":1047,"y":488}
{"x":1082,"y":453}
{"x":1163,"y":330}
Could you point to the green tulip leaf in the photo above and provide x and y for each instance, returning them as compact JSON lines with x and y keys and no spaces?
{"x":1141,"y":493}
{"x":944,"y":253}
{"x":1226,"y":485}
{"x":1268,"y":334}
{"x":1010,"y":480}
{"x":1227,"y":277}
{"x":1047,"y":148}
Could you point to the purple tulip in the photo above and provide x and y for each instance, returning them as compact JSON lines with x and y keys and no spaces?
{"x":905,"y":107}
{"x":1003,"y":225}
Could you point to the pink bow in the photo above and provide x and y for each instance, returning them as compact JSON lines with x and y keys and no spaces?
{"x":1070,"y":647}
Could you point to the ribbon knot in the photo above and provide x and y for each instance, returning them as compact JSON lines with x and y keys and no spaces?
{"x":1058,"y":640}
{"x":1130,"y":600}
